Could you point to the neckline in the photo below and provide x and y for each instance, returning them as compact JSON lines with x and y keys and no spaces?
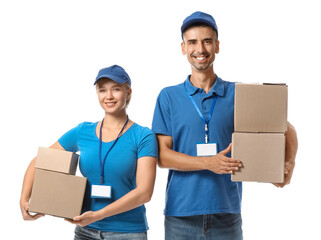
{"x":97,"y":137}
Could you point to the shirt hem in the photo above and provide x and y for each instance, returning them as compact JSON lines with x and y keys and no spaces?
{"x":117,"y":230}
{"x":194,"y":213}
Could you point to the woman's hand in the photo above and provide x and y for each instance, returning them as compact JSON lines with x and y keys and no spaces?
{"x":85,"y":219}
{"x":24,"y":206}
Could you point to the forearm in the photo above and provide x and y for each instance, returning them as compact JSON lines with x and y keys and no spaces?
{"x":131,"y":200}
{"x":171,"y":159}
{"x":28,"y":181}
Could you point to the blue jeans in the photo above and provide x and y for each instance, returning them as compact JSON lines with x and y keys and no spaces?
{"x":90,"y":234}
{"x":204,"y":227}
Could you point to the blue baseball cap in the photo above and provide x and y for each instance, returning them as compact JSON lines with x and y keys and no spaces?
{"x":115,"y":73}
{"x":199,"y":17}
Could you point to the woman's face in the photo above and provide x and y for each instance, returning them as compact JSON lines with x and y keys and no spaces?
{"x":112,"y":96}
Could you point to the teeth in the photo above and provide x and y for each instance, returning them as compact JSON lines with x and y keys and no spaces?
{"x":200,"y":58}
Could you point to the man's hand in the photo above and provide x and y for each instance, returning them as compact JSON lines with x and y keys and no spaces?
{"x":291,"y":147}
{"x":221,"y":164}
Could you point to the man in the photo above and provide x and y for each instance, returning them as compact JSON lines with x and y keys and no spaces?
{"x":201,"y":200}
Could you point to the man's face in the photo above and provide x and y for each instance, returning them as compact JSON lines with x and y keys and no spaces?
{"x":200,"y":45}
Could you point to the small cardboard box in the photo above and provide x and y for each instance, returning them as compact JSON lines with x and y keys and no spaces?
{"x":262,"y":156}
{"x":57,"y":160}
{"x":260,"y":108}
{"x":57,"y":194}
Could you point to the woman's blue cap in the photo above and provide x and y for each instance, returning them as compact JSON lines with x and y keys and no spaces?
{"x":115,"y":73}
{"x":198,"y":17}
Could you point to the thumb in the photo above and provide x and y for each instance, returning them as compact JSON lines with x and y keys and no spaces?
{"x":226,"y":150}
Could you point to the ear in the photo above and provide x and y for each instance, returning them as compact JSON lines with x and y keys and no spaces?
{"x":183,"y":48}
{"x":129,"y":93}
{"x":217,"y":47}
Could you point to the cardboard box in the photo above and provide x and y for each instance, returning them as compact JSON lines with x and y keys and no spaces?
{"x":57,"y":160}
{"x":57,"y":194}
{"x":262,"y":155}
{"x":260,"y":108}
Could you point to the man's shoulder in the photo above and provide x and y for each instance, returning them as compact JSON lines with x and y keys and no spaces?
{"x":226,"y":83}
{"x":172,"y":91}
{"x":173,"y":87}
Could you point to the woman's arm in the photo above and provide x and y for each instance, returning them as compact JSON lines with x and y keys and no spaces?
{"x":145,"y":179}
{"x":27,"y":187}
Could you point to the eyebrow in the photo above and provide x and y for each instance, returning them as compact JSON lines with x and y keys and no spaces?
{"x":205,"y":39}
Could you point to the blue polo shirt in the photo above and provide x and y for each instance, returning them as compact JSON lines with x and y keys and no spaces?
{"x":119,"y":171}
{"x":198,"y":192}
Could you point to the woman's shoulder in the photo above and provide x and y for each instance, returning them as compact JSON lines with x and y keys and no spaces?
{"x":141,"y":131}
{"x":86,"y":126}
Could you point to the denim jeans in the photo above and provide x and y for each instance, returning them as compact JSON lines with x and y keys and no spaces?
{"x":204,"y":227}
{"x":90,"y":234}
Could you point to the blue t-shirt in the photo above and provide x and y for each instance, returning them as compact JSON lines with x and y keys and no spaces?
{"x":198,"y":192}
{"x":119,"y":171}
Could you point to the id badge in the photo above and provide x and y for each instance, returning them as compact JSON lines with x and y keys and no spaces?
{"x":206,"y":149}
{"x":100,"y":191}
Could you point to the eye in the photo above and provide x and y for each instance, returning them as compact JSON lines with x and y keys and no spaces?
{"x":191,"y":42}
{"x":208,"y":41}
{"x":101,"y":90}
{"x":116,"y":89}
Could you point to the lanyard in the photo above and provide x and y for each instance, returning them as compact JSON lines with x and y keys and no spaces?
{"x":201,"y":115}
{"x":102,"y":162}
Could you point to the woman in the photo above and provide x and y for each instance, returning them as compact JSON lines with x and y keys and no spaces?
{"x":116,"y":153}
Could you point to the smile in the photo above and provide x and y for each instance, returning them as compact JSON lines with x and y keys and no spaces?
{"x":110,"y":104}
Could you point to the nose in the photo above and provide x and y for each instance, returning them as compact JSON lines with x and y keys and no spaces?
{"x":200,"y":48}
{"x":109,"y":95}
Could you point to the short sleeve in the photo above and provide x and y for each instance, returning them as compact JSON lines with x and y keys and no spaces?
{"x":148,"y":146}
{"x":162,"y":118}
{"x":69,"y":141}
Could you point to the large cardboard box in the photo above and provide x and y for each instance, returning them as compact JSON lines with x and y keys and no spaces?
{"x":262,"y":155}
{"x":260,"y":120}
{"x":260,"y":108}
{"x":57,"y":194}
{"x":57,"y":160}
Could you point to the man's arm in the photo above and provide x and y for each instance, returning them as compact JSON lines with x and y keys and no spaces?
{"x":169,"y":158}
{"x":291,"y":147}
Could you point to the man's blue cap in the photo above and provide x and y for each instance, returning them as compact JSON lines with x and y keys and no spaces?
{"x":199,"y":17}
{"x":115,"y":73}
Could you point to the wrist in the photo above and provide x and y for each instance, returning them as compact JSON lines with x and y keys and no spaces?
{"x":204,"y":163}
{"x":99,"y":215}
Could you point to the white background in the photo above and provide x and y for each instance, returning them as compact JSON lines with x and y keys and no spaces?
{"x":51,"y":51}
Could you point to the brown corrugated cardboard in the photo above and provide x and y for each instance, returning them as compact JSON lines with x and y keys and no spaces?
{"x":57,"y":160}
{"x":262,"y":156}
{"x":57,"y":194}
{"x":260,"y":108}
